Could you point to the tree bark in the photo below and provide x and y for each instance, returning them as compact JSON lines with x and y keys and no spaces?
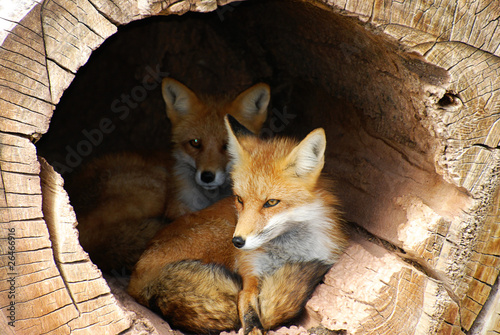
{"x":423,"y":190}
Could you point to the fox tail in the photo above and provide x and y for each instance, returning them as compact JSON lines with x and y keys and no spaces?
{"x":284,"y":293}
{"x":203,"y":298}
{"x":196,"y":297}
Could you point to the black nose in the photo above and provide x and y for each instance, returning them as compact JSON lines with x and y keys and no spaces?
{"x":238,"y":242}
{"x":207,"y":177}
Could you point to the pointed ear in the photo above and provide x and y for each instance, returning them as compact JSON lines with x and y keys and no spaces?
{"x":309,"y":155}
{"x":234,"y":130}
{"x":250,"y":107}
{"x":178,"y":98}
{"x":237,"y":128}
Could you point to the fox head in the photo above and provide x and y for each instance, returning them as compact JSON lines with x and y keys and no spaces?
{"x":274,"y":183}
{"x":200,"y":138}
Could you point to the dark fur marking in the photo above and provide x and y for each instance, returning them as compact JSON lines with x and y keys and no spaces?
{"x":251,"y":320}
{"x":238,"y":128}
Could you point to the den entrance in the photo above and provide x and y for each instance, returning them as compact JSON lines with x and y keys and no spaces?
{"x":324,"y":69}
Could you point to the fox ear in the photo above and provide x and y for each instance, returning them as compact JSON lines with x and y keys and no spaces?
{"x":178,"y":98}
{"x":237,"y":128}
{"x":234,"y":130}
{"x":309,"y":155}
{"x":251,"y":106}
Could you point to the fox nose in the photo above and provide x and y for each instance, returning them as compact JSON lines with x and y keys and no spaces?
{"x":238,"y":242}
{"x":207,"y":177}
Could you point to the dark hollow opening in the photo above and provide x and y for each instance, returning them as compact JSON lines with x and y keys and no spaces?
{"x":325,"y":70}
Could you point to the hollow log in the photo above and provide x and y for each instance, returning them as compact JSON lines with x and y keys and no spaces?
{"x":408,"y":93}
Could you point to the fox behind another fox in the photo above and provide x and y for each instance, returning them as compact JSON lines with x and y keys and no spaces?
{"x":254,"y":259}
{"x":122,"y":200}
{"x":200,"y":139}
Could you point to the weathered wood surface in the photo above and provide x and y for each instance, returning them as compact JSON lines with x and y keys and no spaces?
{"x":52,"y":278}
{"x":452,"y":243}
{"x":461,"y":37}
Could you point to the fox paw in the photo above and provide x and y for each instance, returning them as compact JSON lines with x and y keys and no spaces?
{"x":256,"y":331}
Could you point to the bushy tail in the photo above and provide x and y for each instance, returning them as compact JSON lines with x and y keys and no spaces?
{"x":196,"y":297}
{"x":284,"y":293}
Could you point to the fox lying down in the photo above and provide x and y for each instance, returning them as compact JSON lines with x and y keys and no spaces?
{"x":122,"y":200}
{"x":251,"y":260}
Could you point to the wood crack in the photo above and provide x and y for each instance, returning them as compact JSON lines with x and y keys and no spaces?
{"x":21,"y":173}
{"x":104,"y":15}
{"x":82,"y":261}
{"x":59,"y":64}
{"x":77,"y":19}
{"x":24,"y":56}
{"x":58,"y":265}
{"x":52,"y":331}
{"x":20,"y":24}
{"x":35,"y":282}
{"x":416,"y":262}
{"x":478,"y":324}
{"x":486,"y":147}
{"x":47,"y":314}
{"x":23,"y":107}
{"x":34,"y":137}
{"x":65,"y":281}
{"x":19,"y":121}
{"x":27,"y":39}
{"x":20,"y":252}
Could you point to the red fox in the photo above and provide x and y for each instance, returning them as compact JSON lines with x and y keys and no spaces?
{"x":253,"y":259}
{"x":122,"y":200}
{"x":200,"y":140}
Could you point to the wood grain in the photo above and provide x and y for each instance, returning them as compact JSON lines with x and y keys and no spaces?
{"x":462,"y":38}
{"x":25,"y":102}
{"x":52,"y":292}
{"x":433,"y":268}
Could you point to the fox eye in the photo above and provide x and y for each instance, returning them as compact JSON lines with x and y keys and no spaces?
{"x":195,"y":143}
{"x":271,"y":203}
{"x":239,"y":199}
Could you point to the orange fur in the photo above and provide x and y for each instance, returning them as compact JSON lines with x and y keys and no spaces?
{"x":123,"y":200}
{"x":120,"y":201}
{"x":286,"y":229}
{"x":200,"y":139}
{"x":204,"y":236}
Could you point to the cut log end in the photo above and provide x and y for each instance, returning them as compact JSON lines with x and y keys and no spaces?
{"x":408,"y":95}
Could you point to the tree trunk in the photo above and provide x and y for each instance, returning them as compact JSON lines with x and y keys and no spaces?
{"x":408,"y":93}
